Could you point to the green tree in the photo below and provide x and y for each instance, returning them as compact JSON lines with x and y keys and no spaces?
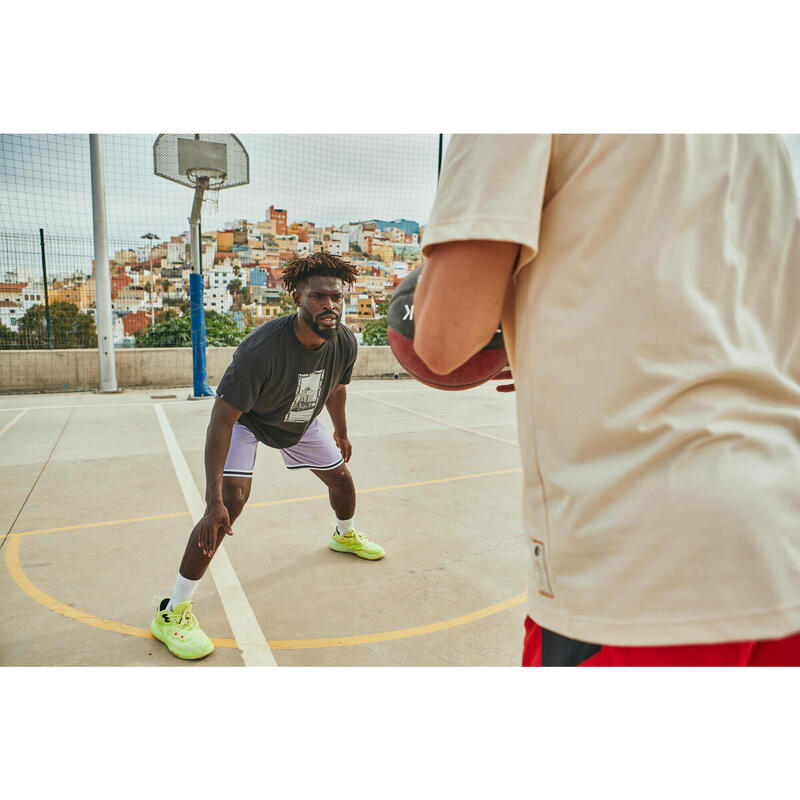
{"x":69,"y":328}
{"x":234,"y":287}
{"x":8,"y":339}
{"x":168,"y":312}
{"x":221,"y":331}
{"x":375,"y":329}
{"x":287,"y":305}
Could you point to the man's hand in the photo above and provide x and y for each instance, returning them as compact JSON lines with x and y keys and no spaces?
{"x":214,"y":525}
{"x":343,"y":443}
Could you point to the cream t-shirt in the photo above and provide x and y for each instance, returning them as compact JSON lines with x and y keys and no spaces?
{"x":654,"y":333}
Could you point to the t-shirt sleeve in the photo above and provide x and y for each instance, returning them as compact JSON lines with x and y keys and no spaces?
{"x":492,"y":187}
{"x":243,"y":380}
{"x":351,"y":360}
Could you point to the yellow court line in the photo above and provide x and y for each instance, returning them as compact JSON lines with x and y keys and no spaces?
{"x":18,"y":574}
{"x":9,"y":424}
{"x":267,"y":503}
{"x":387,"y":488}
{"x":85,"y":525}
{"x":15,"y":569}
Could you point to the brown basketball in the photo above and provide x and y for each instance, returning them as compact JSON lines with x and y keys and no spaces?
{"x":483,"y":366}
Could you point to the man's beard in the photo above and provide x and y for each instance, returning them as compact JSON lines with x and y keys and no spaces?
{"x":326,"y":332}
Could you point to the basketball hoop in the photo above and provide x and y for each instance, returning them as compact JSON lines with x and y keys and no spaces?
{"x":190,"y":158}
{"x":211,"y":198}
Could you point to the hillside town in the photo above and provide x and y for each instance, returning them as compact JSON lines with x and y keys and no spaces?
{"x":241,"y":265}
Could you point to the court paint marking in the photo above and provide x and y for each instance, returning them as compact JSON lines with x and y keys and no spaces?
{"x":18,"y":574}
{"x":16,"y":571}
{"x":9,"y":424}
{"x":113,"y":404}
{"x":415,"y":388}
{"x":243,"y":622}
{"x":440,"y":421}
{"x":266,"y":503}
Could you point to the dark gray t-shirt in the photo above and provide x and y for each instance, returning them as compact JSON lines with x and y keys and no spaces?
{"x":279,"y":385}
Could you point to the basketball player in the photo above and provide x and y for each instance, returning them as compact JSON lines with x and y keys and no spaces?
{"x":649,"y":289}
{"x":281,"y":377}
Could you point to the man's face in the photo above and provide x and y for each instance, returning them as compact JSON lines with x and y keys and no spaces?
{"x":320,"y":301}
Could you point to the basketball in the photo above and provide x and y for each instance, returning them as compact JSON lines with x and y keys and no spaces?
{"x":483,"y":366}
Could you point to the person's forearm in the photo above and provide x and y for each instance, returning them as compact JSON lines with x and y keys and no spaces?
{"x":336,"y":405}
{"x":218,"y":442}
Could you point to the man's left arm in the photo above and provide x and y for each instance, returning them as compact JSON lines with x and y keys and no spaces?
{"x":336,"y":404}
{"x":459,"y":300}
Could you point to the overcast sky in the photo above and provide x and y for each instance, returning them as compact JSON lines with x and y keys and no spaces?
{"x":327,"y":179}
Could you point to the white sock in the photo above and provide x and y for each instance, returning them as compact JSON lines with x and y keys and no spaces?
{"x":184,"y":589}
{"x":344,"y":525}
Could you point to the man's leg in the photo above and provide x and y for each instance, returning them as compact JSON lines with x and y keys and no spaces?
{"x":318,"y":452}
{"x":174,"y":623}
{"x":341,"y":491}
{"x":342,"y":495}
{"x":235,"y":492}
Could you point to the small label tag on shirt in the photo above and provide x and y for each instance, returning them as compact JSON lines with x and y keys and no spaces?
{"x":540,"y":568}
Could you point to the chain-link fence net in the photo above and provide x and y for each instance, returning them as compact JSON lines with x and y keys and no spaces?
{"x":360,"y":196}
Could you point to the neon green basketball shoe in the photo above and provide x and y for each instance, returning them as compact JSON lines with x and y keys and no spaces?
{"x":179,"y":631}
{"x":357,"y":544}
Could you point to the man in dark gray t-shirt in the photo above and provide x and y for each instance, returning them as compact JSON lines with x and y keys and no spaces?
{"x":281,"y":377}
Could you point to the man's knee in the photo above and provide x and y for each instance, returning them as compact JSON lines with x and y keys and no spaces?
{"x":235,"y":495}
{"x":340,"y":477}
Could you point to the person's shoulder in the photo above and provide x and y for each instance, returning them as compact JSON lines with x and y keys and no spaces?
{"x":347,"y":337}
{"x":266,"y":333}
{"x":265,"y":340}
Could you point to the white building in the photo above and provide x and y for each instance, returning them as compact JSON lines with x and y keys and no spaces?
{"x":217,"y":299}
{"x":176,"y":252}
{"x":10,"y":314}
{"x":32,"y":296}
{"x":338,"y":243}
{"x":400,"y":268}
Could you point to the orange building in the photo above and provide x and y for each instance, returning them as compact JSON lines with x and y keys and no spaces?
{"x":224,"y":241}
{"x":279,"y":215}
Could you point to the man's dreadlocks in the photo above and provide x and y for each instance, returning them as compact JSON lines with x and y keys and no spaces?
{"x":317,"y":264}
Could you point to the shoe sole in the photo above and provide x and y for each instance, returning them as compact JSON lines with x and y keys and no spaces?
{"x":339,"y":549}
{"x":155,"y":633}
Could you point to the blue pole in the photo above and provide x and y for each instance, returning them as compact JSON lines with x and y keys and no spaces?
{"x":198,"y":320}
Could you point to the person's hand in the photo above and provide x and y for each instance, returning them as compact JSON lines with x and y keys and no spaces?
{"x":214,"y":525}
{"x":504,"y":375}
{"x":343,"y":443}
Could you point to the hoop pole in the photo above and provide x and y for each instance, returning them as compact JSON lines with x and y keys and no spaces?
{"x":196,"y":305}
{"x":102,"y":277}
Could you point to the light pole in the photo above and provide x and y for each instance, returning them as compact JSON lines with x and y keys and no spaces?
{"x":150,"y":237}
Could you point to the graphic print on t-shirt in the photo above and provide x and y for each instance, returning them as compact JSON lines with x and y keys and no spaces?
{"x":306,"y":396}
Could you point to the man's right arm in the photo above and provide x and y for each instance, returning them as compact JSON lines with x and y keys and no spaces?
{"x":218,"y":441}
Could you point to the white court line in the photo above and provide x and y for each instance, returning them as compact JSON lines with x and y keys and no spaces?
{"x":8,"y":425}
{"x":443,"y":422}
{"x":246,"y":630}
{"x":104,"y":405}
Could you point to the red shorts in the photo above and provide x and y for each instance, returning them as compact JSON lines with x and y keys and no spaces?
{"x":549,"y":649}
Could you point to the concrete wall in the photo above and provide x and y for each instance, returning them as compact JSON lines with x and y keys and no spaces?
{"x":78,"y":370}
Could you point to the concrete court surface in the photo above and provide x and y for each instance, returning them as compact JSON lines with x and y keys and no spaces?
{"x":94,"y":521}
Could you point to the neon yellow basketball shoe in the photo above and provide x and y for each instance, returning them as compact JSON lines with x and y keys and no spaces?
{"x":357,"y":544}
{"x":179,"y":631}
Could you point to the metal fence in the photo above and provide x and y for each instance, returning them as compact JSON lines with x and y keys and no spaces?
{"x":361,"y":196}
